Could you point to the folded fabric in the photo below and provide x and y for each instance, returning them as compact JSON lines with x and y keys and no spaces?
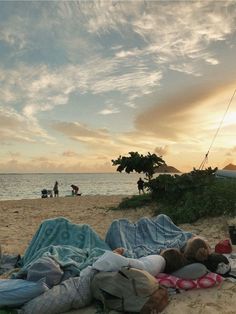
{"x":109,"y":261}
{"x":16,"y":292}
{"x":207,"y":281}
{"x":45,"y":268}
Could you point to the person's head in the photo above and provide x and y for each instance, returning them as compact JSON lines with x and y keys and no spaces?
{"x":174,"y":260}
{"x":218,"y":263}
{"x":197,"y":249}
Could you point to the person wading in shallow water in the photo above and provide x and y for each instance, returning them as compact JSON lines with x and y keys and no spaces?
{"x":75,"y":190}
{"x":140,"y":184}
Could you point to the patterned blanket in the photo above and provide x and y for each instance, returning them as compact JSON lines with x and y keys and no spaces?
{"x":76,"y":246}
{"x":147,"y":236}
{"x":73,"y":246}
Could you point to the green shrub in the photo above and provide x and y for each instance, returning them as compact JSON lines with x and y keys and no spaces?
{"x":217,"y":197}
{"x":188,"y":197}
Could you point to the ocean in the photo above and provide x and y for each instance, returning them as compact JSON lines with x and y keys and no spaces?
{"x":29,"y":185}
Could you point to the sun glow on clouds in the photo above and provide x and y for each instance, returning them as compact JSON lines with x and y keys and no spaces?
{"x":149,"y":64}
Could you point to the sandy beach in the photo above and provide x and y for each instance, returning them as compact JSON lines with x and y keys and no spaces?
{"x":20,"y":219}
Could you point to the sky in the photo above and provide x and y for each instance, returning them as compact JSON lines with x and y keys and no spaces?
{"x":83,"y":82}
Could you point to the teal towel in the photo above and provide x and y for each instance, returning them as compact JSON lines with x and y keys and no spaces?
{"x":73,"y":246}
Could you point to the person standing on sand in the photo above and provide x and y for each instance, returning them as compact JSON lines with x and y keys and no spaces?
{"x":55,"y":189}
{"x":140,"y":184}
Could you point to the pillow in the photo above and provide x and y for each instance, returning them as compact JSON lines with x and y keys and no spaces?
{"x":191,"y":271}
{"x":207,"y":281}
{"x":16,"y":292}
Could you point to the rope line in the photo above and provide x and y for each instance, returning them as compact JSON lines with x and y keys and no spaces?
{"x":217,"y":131}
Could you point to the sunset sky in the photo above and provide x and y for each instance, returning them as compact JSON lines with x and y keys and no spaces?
{"x":84,"y":82}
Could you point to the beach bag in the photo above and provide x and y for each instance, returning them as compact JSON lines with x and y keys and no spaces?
{"x":129,"y":290}
{"x":224,"y":247}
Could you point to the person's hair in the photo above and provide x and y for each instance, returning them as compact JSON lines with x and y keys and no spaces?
{"x":213,"y":261}
{"x":174,"y":260}
{"x":197,"y":249}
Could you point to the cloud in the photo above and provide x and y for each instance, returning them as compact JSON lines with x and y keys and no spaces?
{"x":12,"y":34}
{"x":70,"y":154}
{"x":15,"y":127}
{"x":39,"y":88}
{"x":168,"y":32}
{"x":161,"y":151}
{"x":109,"y":110}
{"x":14,"y":155}
{"x":133,"y":72}
{"x":56,"y":53}
{"x":187,"y":115}
{"x":59,"y":163}
{"x":212,"y":61}
{"x":81,"y":132}
{"x":124,"y":54}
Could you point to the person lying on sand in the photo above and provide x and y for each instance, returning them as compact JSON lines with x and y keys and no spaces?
{"x":197,"y":249}
{"x":168,"y":261}
{"x":76,"y":291}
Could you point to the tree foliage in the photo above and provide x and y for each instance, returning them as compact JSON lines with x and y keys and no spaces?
{"x":193,"y":195}
{"x":188,"y":197}
{"x":174,"y":187}
{"x":139,"y":163}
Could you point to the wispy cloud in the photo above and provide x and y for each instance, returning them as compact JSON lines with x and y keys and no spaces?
{"x":81,"y":132}
{"x":70,"y":154}
{"x":16,"y":127}
{"x":110,"y":109}
{"x":189,"y":115}
{"x":162,"y":151}
{"x":90,"y":60}
{"x":11,"y":32}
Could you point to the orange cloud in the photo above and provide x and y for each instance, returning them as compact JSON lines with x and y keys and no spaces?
{"x":183,"y":114}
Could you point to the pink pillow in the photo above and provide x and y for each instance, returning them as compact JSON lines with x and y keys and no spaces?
{"x":207,"y":281}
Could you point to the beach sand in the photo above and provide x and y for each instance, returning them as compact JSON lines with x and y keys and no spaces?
{"x":20,"y":220}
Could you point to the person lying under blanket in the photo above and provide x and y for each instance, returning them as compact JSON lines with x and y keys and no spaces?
{"x":75,"y":293}
{"x":152,"y":242}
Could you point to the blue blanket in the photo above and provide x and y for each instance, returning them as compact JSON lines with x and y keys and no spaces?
{"x":147,"y":236}
{"x":73,"y":246}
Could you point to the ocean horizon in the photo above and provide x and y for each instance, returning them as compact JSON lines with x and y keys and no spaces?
{"x":16,"y":186}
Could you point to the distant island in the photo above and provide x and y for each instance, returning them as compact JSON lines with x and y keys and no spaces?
{"x":230,"y":167}
{"x":167,"y":169}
